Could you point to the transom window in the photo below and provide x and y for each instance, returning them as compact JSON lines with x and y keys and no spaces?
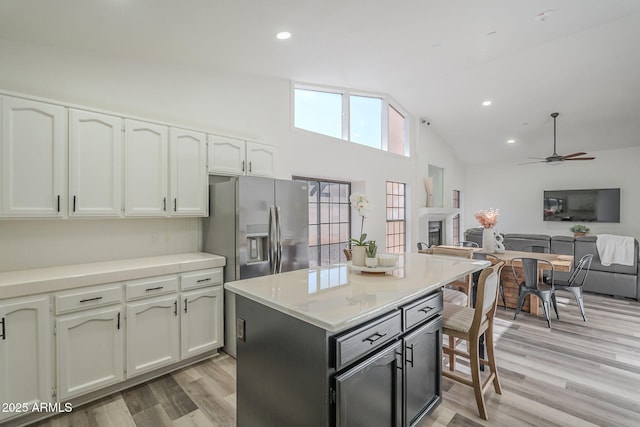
{"x":371,"y":120}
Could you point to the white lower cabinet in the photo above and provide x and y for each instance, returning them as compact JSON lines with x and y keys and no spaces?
{"x":201,"y":328}
{"x":89,"y":339}
{"x":25,"y":354}
{"x":153,"y":329}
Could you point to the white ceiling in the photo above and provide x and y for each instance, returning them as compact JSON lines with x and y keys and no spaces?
{"x":439,"y":59}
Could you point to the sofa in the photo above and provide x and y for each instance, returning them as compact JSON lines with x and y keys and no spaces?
{"x":616,"y":280}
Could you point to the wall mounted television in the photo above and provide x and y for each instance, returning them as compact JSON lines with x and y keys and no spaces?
{"x":595,"y":205}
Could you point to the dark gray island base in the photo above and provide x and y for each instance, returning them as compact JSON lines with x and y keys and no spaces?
{"x":330,"y":346}
{"x":385,"y":372}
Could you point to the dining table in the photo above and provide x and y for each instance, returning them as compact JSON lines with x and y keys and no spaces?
{"x":510,"y":285}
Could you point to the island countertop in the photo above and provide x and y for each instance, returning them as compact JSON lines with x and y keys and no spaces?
{"x":336,"y":297}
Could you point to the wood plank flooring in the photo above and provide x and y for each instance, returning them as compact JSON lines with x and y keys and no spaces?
{"x":574,"y":374}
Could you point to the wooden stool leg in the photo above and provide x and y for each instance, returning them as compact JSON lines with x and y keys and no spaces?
{"x":452,"y":356}
{"x":493,"y":368}
{"x":474,"y":365}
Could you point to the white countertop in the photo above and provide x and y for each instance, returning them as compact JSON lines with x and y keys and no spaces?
{"x":40,"y":280}
{"x":336,"y":298}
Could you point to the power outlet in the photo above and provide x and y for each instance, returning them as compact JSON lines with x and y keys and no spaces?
{"x":240,"y":331}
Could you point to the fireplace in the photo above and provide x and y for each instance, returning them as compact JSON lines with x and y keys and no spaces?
{"x":435,"y":233}
{"x":435,"y":225}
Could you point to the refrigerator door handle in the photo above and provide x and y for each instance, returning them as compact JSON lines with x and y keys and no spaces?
{"x":279,"y":242}
{"x":273,"y":226}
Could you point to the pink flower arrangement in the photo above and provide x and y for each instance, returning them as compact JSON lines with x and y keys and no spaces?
{"x":488,"y":219}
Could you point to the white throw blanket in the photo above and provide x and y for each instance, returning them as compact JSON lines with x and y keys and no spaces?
{"x":614,"y":249}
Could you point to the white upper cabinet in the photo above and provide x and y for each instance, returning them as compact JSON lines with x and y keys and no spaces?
{"x":226,"y":155}
{"x":95,"y":164}
{"x":189,"y":180}
{"x":229,"y":156}
{"x":146,"y":169}
{"x":33,"y":158}
{"x":260,"y":159}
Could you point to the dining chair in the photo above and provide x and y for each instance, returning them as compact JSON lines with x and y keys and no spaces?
{"x":531,"y":285}
{"x":494,"y":260}
{"x":468,"y":324}
{"x":576,"y":280}
{"x":422,"y":246}
{"x":467,"y":244}
{"x":465,"y":284}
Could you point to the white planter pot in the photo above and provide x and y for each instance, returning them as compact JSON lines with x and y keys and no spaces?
{"x":358,"y":255}
{"x":371,"y":262}
{"x":488,"y":241}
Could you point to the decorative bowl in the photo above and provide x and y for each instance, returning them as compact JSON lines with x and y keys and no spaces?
{"x":387,"y":260}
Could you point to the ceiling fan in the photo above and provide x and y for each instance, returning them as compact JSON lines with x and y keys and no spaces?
{"x":555,"y":158}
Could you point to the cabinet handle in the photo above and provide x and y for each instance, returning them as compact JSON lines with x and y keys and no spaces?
{"x":375,"y":337}
{"x":91,"y":299}
{"x":203,"y":280}
{"x":175,"y":308}
{"x":164,"y":204}
{"x":175,"y":204}
{"x":185,"y":305}
{"x":4,"y":332}
{"x":118,"y":320}
{"x":250,"y":167}
{"x":154,"y":289}
{"x":74,"y":203}
{"x":410,"y":347}
{"x":243,"y":166}
{"x":58,"y":203}
{"x":426,"y":310}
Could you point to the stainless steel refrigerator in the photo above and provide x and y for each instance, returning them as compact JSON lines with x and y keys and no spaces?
{"x":261,"y":226}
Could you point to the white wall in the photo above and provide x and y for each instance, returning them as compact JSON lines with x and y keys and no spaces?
{"x":251,"y":107}
{"x":518,"y":191}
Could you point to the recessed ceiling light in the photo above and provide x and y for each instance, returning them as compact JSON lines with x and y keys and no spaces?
{"x":511,"y":141}
{"x":486,"y":103}
{"x":283,"y":35}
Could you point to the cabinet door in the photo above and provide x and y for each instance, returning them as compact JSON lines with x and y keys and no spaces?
{"x":226,"y":155}
{"x":33,"y":158}
{"x":423,"y":369}
{"x":90,"y":351}
{"x":152,"y":334}
{"x":370,"y":393}
{"x":189,"y":179}
{"x":25,"y":352}
{"x":146,"y":169}
{"x":260,"y":159}
{"x":95,"y":164}
{"x":201,"y":326}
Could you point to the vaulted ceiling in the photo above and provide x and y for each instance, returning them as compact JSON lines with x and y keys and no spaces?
{"x":439,"y":59}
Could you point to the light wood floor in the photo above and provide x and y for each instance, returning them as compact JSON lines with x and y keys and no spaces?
{"x":574,"y":374}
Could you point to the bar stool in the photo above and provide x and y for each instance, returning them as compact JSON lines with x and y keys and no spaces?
{"x":469,"y":324}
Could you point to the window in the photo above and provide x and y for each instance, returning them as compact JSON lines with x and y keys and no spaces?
{"x":456,"y":219}
{"x":329,"y":220}
{"x":319,"y":112}
{"x":370,"y":120}
{"x":365,"y":126}
{"x":396,"y":208}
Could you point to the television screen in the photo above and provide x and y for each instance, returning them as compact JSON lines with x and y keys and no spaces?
{"x":597,"y":205}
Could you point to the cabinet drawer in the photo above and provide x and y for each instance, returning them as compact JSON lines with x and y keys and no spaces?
{"x":201,"y":278}
{"x":150,"y":287}
{"x":421,"y":310}
{"x":355,"y":344}
{"x":95,"y":296}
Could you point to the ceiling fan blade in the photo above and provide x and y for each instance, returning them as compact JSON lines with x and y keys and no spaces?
{"x":530,"y":163}
{"x":581,"y":158}
{"x":573,"y":155}
{"x":537,"y":158}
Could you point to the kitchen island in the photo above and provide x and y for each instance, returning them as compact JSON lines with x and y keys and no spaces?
{"x":329,"y":346}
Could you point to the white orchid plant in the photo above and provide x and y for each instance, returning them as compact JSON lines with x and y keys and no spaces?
{"x":360,"y":203}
